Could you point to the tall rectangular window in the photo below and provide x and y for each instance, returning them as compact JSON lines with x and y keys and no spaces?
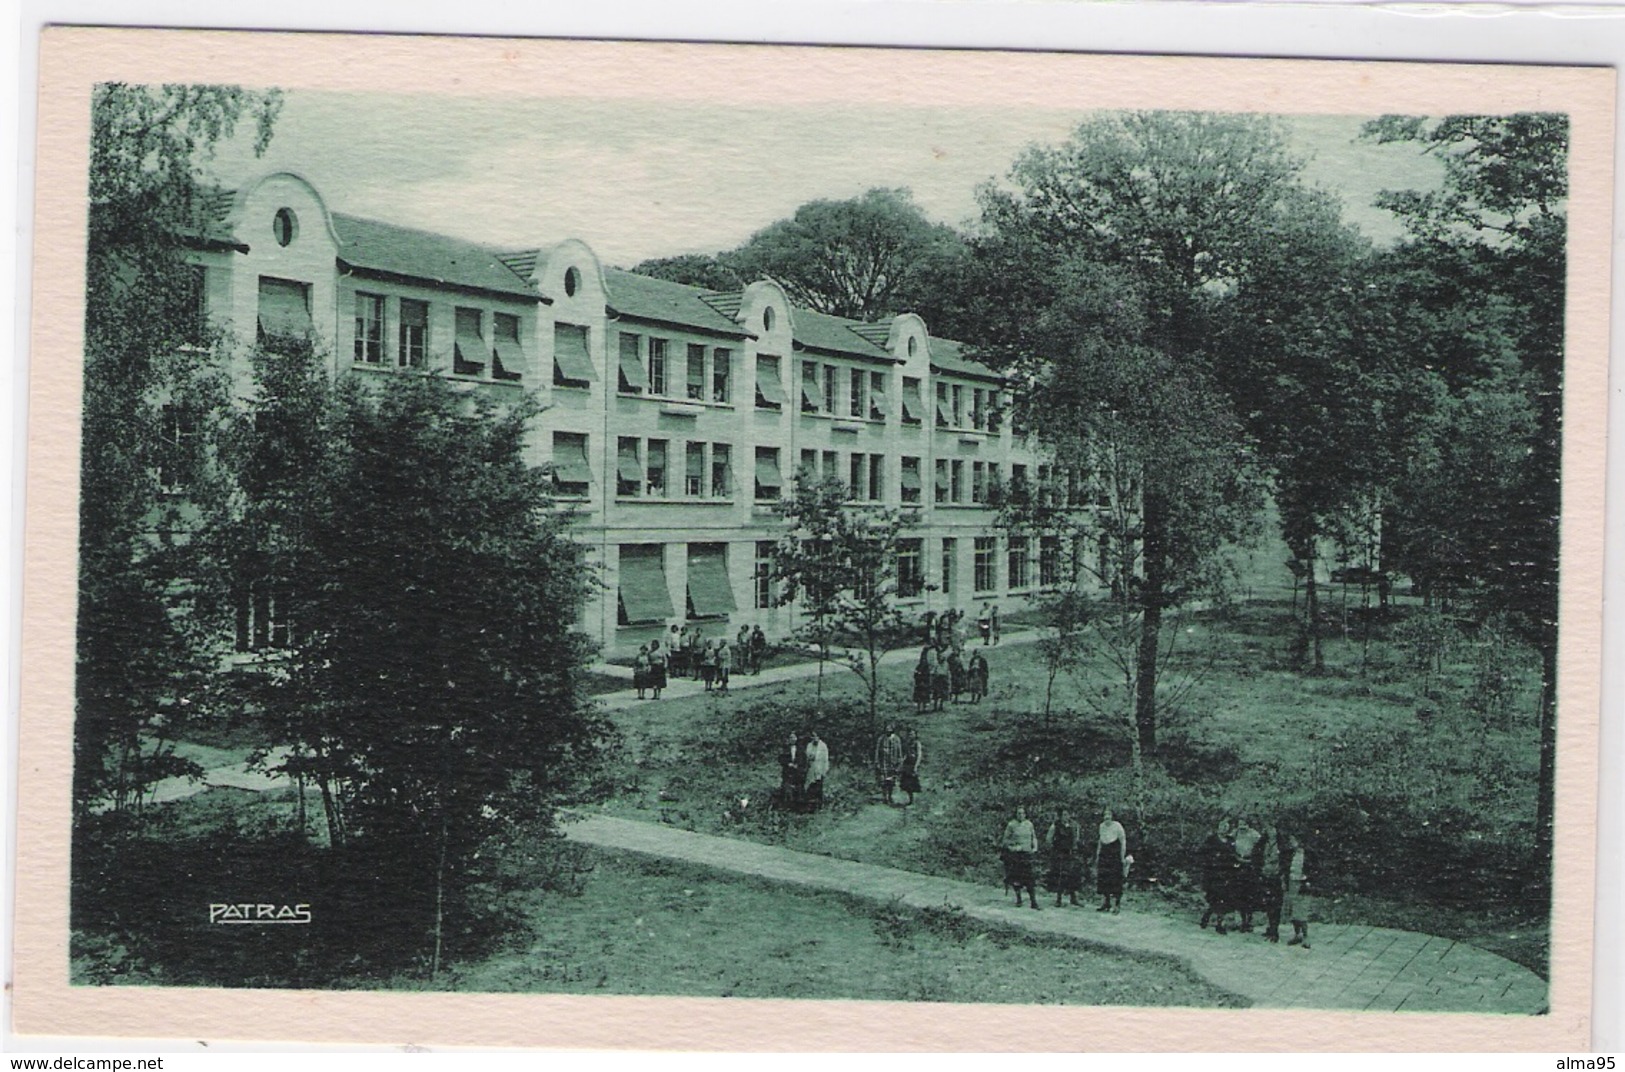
{"x":508,"y":361}
{"x":572,"y":472}
{"x":959,"y":406}
{"x":910,"y":480}
{"x":830,"y":373}
{"x":830,"y":471}
{"x":722,"y":376}
{"x":471,"y":351}
{"x":913,"y":405}
{"x":1049,"y":561}
{"x":263,"y":615}
{"x":877,"y":477}
{"x":628,"y":468}
{"x":956,"y":481}
{"x":655,"y":472}
{"x":694,"y":470}
{"x":995,"y":411}
{"x":943,"y":411}
{"x":877,"y":396}
{"x":769,"y":385}
{"x":194,"y":305}
{"x":369,"y":329}
{"x":630,"y":377}
{"x":984,"y":577}
{"x":769,"y":483}
{"x":722,"y":478}
{"x":284,"y":315}
{"x":855,"y":473}
{"x":696,"y":372}
{"x":764,"y":574}
{"x":811,"y":399}
{"x":414,"y":340}
{"x":572,"y":356}
{"x":809,"y":462}
{"x":942,"y":484}
{"x":657,"y":366}
{"x":950,"y":561}
{"x":978,"y":482}
{"x":710,"y":591}
{"x":177,"y":451}
{"x":858,"y":398}
{"x":910,"y":568}
{"x":1020,"y":565}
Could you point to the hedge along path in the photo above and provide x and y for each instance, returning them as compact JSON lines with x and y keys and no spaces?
{"x":1349,"y":967}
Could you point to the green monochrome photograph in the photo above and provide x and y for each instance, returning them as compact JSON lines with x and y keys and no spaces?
{"x":901,"y":551}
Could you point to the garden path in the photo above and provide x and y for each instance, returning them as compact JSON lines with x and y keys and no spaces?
{"x":1349,"y":967}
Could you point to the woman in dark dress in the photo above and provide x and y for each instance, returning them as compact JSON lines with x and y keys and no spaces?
{"x":922,"y":681}
{"x":657,"y":667}
{"x":956,"y":675}
{"x":1110,"y":862}
{"x":913,"y":756}
{"x":1065,"y":874}
{"x":977,"y":675}
{"x":1218,"y":875}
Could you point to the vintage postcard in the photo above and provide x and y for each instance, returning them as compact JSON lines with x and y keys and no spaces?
{"x":560,"y":543}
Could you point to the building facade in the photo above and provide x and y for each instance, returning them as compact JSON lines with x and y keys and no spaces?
{"x":675,"y":418}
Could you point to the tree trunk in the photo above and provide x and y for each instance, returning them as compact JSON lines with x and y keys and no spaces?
{"x":439,"y":898}
{"x":1547,"y":781}
{"x":1311,"y":601}
{"x":1151,"y":599}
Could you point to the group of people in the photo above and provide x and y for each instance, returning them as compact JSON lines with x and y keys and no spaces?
{"x":897,"y":763}
{"x":1247,"y":871}
{"x":803,"y":766}
{"x":689,"y":653}
{"x":1070,"y":856}
{"x":944,"y":673}
{"x":649,"y":669}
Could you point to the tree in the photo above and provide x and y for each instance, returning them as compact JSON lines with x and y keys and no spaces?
{"x":839,"y":563}
{"x":1108,"y":260}
{"x":151,"y":402}
{"x":863,"y":258}
{"x":695,"y":270}
{"x":431,"y":679}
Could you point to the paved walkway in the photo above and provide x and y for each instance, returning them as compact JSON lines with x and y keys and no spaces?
{"x":1350,"y":967}
{"x":678,"y":687}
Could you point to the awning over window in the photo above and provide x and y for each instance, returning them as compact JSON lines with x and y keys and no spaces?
{"x":942,"y":479}
{"x":570,"y":352}
{"x":471,"y":349}
{"x":943,"y":413}
{"x":643,"y":583}
{"x":912,"y":408}
{"x":632,"y":369}
{"x":767,"y":472}
{"x":570,"y":465}
{"x":284,"y":309}
{"x":696,"y":463}
{"x":627,"y":464}
{"x":877,"y":402}
{"x":768,"y":384}
{"x":911,"y":479}
{"x":510,"y":355}
{"x":810,"y":395}
{"x":708,"y":587}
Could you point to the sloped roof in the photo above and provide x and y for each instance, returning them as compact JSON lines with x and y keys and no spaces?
{"x":646,"y":298}
{"x":209,"y":216}
{"x":405,"y":251}
{"x":836,"y":335}
{"x":948,"y":355}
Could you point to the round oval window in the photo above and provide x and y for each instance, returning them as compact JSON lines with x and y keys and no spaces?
{"x":285,"y":226}
{"x":913,"y":346}
{"x":767,"y":319}
{"x":572,"y":281}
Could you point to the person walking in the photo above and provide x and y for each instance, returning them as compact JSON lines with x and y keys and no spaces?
{"x":1271,"y":880}
{"x":976,"y":676}
{"x":888,"y":762}
{"x":791,"y":769}
{"x":640,"y":670}
{"x":817,"y":760}
{"x":1111,"y":862}
{"x":1018,"y":847}
{"x":1296,"y":900}
{"x":725,"y":662}
{"x":984,"y":624}
{"x":1218,"y":856}
{"x":657,"y":667}
{"x":758,"y":650}
{"x":1065,"y":874}
{"x":1249,"y":846}
{"x":913,"y":757}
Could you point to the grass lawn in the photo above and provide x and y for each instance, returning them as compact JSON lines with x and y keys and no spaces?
{"x":649,"y":927}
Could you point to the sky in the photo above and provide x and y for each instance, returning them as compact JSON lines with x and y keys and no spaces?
{"x":643,"y":179}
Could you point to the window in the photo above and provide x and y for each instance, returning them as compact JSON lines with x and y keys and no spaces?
{"x":913,"y":408}
{"x":942,"y":485}
{"x":284,"y":314}
{"x":767,"y":319}
{"x":263,"y":619}
{"x":809,"y":462}
{"x":414,"y":341}
{"x":877,"y":396}
{"x":983,"y":579}
{"x":508,"y":362}
{"x":877,"y":477}
{"x":194,"y":305}
{"x":950,"y":557}
{"x":710,"y":593}
{"x":995,"y":411}
{"x":1103,"y":560}
{"x":810,"y":398}
{"x":696,"y":372}
{"x":284,"y":226}
{"x":830,"y":372}
{"x":1049,"y":561}
{"x":831,"y":470}
{"x":1019,"y":563}
{"x":657,"y":366}
{"x":910,"y":568}
{"x":694,"y":470}
{"x":942,"y":406}
{"x":572,"y":281}
{"x":978,"y":482}
{"x":572,"y":360}
{"x":769,"y":484}
{"x":958,"y":420}
{"x":654,"y":475}
{"x":642,"y":594}
{"x":764,"y":574}
{"x":858,"y":396}
{"x":369,"y":329}
{"x":630,"y":379}
{"x":628,"y":468}
{"x":177,"y":447}
{"x":721,"y":471}
{"x":769,"y":387}
{"x":1018,"y":480}
{"x":956,"y":481}
{"x":572,"y":472}
{"x":722,"y":376}
{"x":911,"y":480}
{"x":855,"y":473}
{"x":468,"y":358}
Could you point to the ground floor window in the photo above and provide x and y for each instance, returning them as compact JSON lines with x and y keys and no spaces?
{"x":642,"y":595}
{"x":1049,"y":561}
{"x":764,"y":574}
{"x":950,"y":553}
{"x":983,"y":577}
{"x":1019,"y":563}
{"x":710,"y":594}
{"x":910,"y":568}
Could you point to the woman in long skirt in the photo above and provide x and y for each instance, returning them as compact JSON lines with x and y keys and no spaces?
{"x":1018,"y":847}
{"x":1110,"y":863}
{"x":1065,"y":875}
{"x":1296,"y":903}
{"x":922,"y":681}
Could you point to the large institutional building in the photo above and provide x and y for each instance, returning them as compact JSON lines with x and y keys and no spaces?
{"x":675,"y":417}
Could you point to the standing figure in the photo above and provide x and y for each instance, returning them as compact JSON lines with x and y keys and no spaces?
{"x":1065,"y":875}
{"x":791,"y":767}
{"x":888,"y":762}
{"x":941,"y":681}
{"x":977,"y":675}
{"x":640,"y":670}
{"x":817,"y":760}
{"x":957,"y":633}
{"x":995,"y":622}
{"x":1249,"y":847}
{"x":1018,"y":847}
{"x":1271,"y":880}
{"x":913,"y":756}
{"x":758,"y":649}
{"x":1296,"y":900}
{"x":984,"y":624}
{"x":708,"y":664}
{"x":696,"y":648}
{"x":1111,"y":863}
{"x":676,"y":637}
{"x":956,"y":675}
{"x":1218,"y":856}
{"x":725,"y":662}
{"x":922,"y":680}
{"x":657,"y":667}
